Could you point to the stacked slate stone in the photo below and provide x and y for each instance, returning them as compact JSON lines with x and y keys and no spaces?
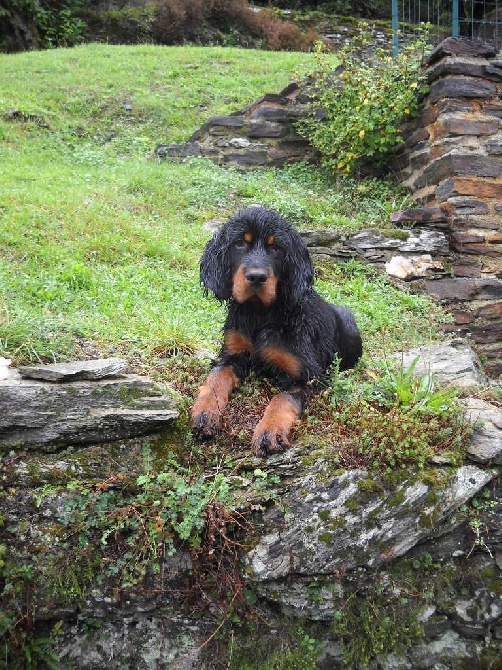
{"x":452,"y":161}
{"x":262,"y":134}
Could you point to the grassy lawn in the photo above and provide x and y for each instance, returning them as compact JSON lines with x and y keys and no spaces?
{"x":99,"y":243}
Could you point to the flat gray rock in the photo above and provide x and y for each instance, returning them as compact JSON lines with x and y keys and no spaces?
{"x":62,"y":372}
{"x":486,"y":442}
{"x":452,"y":362}
{"x":39,"y":414}
{"x":339,"y":525}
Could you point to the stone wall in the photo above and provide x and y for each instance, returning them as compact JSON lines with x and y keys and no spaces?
{"x":419,"y":549}
{"x":261,"y":135}
{"x":452,"y":161}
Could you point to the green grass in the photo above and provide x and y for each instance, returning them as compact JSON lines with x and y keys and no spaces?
{"x":100,"y":243}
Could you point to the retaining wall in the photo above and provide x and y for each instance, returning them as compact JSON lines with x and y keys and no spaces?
{"x":452,"y":162}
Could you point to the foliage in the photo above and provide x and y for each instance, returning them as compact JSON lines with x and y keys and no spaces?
{"x":375,"y":624}
{"x":295,"y":650}
{"x":387,"y":419}
{"x":135,"y":524}
{"x":20,"y":649}
{"x":280,"y":35}
{"x":121,"y":531}
{"x":481,"y":515}
{"x":53,"y":23}
{"x":227,"y":21}
{"x":129,"y":23}
{"x":360,"y":106}
{"x":399,"y":439}
{"x":50,"y":23}
{"x":119,"y":535}
{"x":404,"y":388}
{"x":376,"y":9}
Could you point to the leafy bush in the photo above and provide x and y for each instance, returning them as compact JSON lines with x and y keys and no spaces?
{"x":282,"y":35}
{"x":178,"y":20}
{"x":223,"y":21}
{"x":359,"y":108}
{"x":41,"y":23}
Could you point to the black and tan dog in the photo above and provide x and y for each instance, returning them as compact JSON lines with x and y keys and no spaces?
{"x":276,"y":325}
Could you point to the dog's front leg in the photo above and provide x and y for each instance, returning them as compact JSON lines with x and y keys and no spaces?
{"x":272,"y":433}
{"x":211,"y":399}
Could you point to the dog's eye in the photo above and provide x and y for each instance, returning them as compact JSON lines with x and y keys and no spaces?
{"x":274,"y":248}
{"x":241,"y":244}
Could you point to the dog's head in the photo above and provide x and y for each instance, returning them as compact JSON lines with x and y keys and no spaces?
{"x":257,"y":256}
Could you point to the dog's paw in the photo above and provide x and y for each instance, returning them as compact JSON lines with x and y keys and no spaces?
{"x":205,"y":425}
{"x":266,"y":442}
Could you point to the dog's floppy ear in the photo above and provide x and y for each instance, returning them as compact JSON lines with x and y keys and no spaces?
{"x":215,"y":272}
{"x":298,"y":271}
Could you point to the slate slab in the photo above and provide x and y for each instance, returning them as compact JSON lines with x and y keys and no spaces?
{"x":451,"y":362}
{"x":63,"y":372}
{"x":38,"y":414}
{"x":486,"y":443}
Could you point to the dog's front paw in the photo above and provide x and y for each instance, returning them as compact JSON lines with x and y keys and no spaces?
{"x":205,"y":425}
{"x":266,"y":442}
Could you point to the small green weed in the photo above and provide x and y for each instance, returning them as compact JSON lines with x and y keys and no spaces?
{"x":480,"y":512}
{"x":404,"y":388}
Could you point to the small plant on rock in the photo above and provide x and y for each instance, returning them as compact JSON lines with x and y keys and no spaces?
{"x":404,"y":388}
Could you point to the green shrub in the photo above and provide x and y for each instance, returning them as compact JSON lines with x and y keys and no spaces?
{"x":41,"y":23}
{"x":364,"y":103}
{"x":226,"y":21}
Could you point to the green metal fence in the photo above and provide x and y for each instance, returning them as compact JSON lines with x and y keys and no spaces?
{"x":477,"y":19}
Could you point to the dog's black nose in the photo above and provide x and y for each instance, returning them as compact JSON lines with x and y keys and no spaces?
{"x":256,"y":277}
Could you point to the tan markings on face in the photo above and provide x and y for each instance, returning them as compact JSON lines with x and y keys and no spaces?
{"x":242,"y":289}
{"x":237,"y":343}
{"x":283,"y":360}
{"x":271,"y":240}
{"x":248,"y":238}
